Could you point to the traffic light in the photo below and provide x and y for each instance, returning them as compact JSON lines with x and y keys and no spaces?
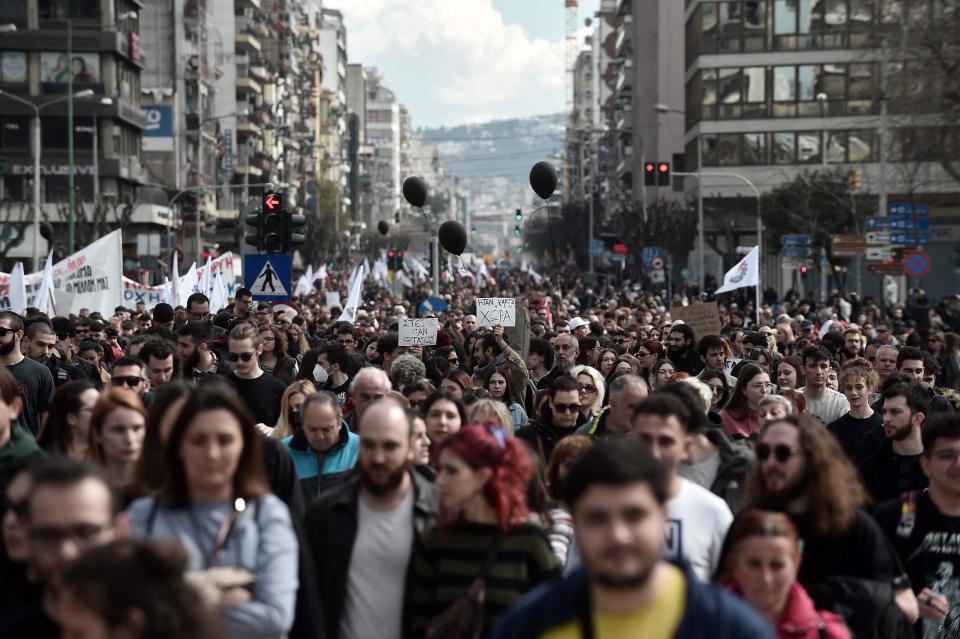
{"x":516,"y":231}
{"x":271,"y":223}
{"x":855,"y":180}
{"x":473,"y":230}
{"x":293,"y":231}
{"x":399,"y":260}
{"x":663,"y":174}
{"x":519,"y":216}
{"x":803,"y":269}
{"x":392,"y":260}
{"x":650,"y":174}
{"x":253,"y":216}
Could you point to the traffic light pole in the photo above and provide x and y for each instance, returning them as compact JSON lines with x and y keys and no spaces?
{"x":435,"y":265}
{"x":702,"y":174}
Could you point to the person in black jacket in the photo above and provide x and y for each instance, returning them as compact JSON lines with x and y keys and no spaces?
{"x":558,"y":418}
{"x":362,"y":532}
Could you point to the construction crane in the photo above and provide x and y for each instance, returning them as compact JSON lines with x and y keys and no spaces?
{"x":570,"y":48}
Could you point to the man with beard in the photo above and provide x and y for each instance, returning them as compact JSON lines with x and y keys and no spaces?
{"x":35,"y":378}
{"x":198,"y":359}
{"x":40,"y":344}
{"x":802,"y":471}
{"x":617,"y":494}
{"x":681,"y":349}
{"x":362,"y":532}
{"x":492,"y":351}
{"x":895,"y":467}
{"x":566,"y":350}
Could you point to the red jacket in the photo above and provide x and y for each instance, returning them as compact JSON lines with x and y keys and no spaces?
{"x":801,"y":620}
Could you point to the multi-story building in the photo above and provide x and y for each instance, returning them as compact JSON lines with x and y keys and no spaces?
{"x":776,"y":88}
{"x":358,"y":153}
{"x":50,"y":50}
{"x":383,"y":133}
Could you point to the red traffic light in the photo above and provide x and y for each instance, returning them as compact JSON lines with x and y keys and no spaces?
{"x":399,"y":253}
{"x":650,"y":168}
{"x":803,"y":269}
{"x":272,"y":201}
{"x":390,"y":254}
{"x":664,"y":167}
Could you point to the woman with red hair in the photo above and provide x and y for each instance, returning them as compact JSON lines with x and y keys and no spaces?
{"x":484,"y":532}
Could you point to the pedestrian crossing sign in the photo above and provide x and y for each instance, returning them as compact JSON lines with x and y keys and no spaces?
{"x":269,"y":277}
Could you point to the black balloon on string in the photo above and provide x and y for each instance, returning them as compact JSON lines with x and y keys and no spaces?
{"x":543,"y":179}
{"x":383,"y":226}
{"x":453,"y":237}
{"x":415,"y":191}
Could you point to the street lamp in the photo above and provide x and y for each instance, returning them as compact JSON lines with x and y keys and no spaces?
{"x":822,"y":99}
{"x":96,"y":148}
{"x":35,"y":151}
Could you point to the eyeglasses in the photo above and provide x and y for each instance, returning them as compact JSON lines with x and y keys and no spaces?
{"x":644,"y":354}
{"x":566,"y":408}
{"x":244,"y":356}
{"x":131,"y":381}
{"x":63,"y":336}
{"x":53,"y":538}
{"x":781,"y":452}
{"x":4,"y":330}
{"x":345,"y":342}
{"x":717,"y":389}
{"x":588,"y":389}
{"x":621,"y":340}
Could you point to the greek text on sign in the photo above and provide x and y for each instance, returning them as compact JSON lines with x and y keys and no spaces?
{"x":492,"y":311}
{"x":418,"y":331}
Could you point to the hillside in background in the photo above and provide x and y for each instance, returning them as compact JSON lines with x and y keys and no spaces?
{"x":493,"y":159}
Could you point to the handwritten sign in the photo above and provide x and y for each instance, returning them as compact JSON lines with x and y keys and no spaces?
{"x":418,"y":331}
{"x":704,"y":318}
{"x":332,"y":299}
{"x":496,"y":310}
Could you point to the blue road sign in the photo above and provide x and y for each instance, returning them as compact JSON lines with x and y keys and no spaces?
{"x":797,"y":251}
{"x":909,"y":224}
{"x":909,"y":239}
{"x":899,"y":209}
{"x":269,"y":277}
{"x":795,"y":240}
{"x":878,"y":223}
{"x":917,"y":264}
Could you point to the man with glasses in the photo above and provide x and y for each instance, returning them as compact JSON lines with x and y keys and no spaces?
{"x":70,"y":509}
{"x":557,"y":420}
{"x":346,"y":336}
{"x":917,"y":522}
{"x":130,"y":372}
{"x":261,"y":392}
{"x":36,"y":379}
{"x":198,"y":310}
{"x":697,"y":520}
{"x":242,"y":301}
{"x":264,"y":314}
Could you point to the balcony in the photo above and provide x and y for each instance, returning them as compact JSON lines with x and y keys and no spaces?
{"x":624,"y":76}
{"x":248,"y":86}
{"x":245,"y":129}
{"x":624,"y":37}
{"x":248,"y":43}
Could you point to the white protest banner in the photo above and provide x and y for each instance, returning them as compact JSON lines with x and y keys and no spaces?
{"x":134,"y":292}
{"x":496,"y":310}
{"x":332,"y":299}
{"x":17,"y":290}
{"x":91,"y":278}
{"x":418,"y":331}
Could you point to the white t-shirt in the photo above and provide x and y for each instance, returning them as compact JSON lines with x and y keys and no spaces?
{"x":697,"y":522}
{"x":828,"y":408}
{"x":376,"y":579}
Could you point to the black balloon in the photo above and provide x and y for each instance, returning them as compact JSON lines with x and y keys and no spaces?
{"x":383,"y":227}
{"x":543,"y":179}
{"x":453,"y":237}
{"x":415,"y":191}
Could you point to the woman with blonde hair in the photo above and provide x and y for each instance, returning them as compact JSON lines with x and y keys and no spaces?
{"x":592,"y":390}
{"x":290,"y":421}
{"x":490,"y":411}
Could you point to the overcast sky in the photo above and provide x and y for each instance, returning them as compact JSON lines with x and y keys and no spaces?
{"x":461,"y":61}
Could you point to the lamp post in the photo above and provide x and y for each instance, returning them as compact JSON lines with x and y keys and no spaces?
{"x":96,"y":148}
{"x":35,"y":153}
{"x":700,"y":174}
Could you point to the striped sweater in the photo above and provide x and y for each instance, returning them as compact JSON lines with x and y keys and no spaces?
{"x":449,"y":559}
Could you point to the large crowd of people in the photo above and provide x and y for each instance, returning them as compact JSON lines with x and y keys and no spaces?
{"x":597,"y":470}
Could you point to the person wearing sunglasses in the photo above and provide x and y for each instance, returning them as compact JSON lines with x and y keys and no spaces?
{"x":559,"y":417}
{"x":262,"y":393}
{"x":799,"y":468}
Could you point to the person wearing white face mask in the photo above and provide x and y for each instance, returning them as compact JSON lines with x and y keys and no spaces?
{"x":332,"y":372}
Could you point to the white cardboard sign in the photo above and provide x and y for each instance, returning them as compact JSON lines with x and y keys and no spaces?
{"x":496,"y":310}
{"x":418,"y":331}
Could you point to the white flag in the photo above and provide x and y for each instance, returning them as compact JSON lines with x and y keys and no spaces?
{"x":44,"y":301}
{"x":17,"y":289}
{"x":167,"y":293}
{"x":218,"y":296}
{"x":321,"y":274}
{"x":189,"y":283}
{"x":349,"y":313}
{"x":537,"y":278}
{"x":403,"y":279}
{"x":206,"y":280}
{"x":745,"y":273}
{"x":176,"y":297}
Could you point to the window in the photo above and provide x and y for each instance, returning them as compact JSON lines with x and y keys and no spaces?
{"x":784,"y":148}
{"x":15,"y":132}
{"x":860,"y":146}
{"x":63,"y":9}
{"x":784,"y":84}
{"x":837,"y":147}
{"x":53,"y":132}
{"x":754,"y":148}
{"x":754,"y":84}
{"x":709,"y":150}
{"x":807,"y":86}
{"x":14,"y":11}
{"x":808,"y":148}
{"x":13,"y":66}
{"x":784,"y":17}
{"x":728,"y":149}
